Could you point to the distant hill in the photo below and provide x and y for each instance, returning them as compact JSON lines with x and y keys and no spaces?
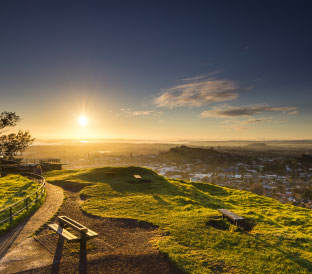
{"x":190,"y":153}
{"x":257,"y":145}
{"x":207,"y":155}
{"x":190,"y":231}
{"x":305,"y":160}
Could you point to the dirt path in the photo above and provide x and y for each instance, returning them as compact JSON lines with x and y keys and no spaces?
{"x":123,"y":246}
{"x":13,"y":243}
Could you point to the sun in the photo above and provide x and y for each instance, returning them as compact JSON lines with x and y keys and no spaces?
{"x":83,"y":121}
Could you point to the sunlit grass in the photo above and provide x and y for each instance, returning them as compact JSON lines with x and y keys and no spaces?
{"x":14,"y":188}
{"x":279,"y":243}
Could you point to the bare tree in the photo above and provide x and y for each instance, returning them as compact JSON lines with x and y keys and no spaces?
{"x":12,"y":144}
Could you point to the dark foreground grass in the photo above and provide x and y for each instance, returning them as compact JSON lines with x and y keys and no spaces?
{"x":194,"y":235}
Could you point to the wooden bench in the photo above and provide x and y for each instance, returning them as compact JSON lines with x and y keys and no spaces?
{"x":85,"y":233}
{"x":232,"y":216}
{"x":139,"y":179}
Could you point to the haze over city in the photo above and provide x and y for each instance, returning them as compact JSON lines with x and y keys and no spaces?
{"x":158,"y":70}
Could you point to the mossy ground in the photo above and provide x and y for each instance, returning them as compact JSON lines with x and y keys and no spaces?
{"x":194,"y":235}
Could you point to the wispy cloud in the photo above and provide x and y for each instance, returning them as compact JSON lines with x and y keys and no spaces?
{"x":203,"y":76}
{"x":251,"y":110}
{"x":131,"y":112}
{"x":198,"y":91}
{"x":254,"y":121}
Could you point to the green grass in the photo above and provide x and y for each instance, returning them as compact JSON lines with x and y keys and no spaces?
{"x":14,"y":188}
{"x":281,"y":241}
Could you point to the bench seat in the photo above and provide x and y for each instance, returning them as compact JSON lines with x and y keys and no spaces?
{"x":63,"y":232}
{"x":232,"y":216}
{"x":66,"y":221}
{"x":91,"y":234}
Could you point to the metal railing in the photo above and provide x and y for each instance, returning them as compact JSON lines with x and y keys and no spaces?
{"x":7,"y":214}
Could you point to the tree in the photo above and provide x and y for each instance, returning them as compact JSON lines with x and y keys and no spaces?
{"x":12,"y":144}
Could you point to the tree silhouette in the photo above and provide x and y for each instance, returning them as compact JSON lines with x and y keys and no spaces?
{"x":13,"y":143}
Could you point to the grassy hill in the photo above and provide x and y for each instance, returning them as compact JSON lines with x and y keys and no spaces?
{"x":191,"y":231}
{"x":14,"y":188}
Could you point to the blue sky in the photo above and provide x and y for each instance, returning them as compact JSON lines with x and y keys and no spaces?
{"x":158,"y":69}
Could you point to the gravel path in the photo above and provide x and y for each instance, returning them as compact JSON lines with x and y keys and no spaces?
{"x":123,"y":246}
{"x":14,"y":243}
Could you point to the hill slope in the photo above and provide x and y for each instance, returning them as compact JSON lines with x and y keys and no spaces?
{"x":194,"y":235}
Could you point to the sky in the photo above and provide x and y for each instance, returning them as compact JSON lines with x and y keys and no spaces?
{"x":158,"y":70}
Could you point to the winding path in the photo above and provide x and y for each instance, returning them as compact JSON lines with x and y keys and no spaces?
{"x":123,"y":246}
{"x":14,"y":243}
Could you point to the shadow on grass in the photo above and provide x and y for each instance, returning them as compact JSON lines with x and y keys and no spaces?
{"x":117,"y":178}
{"x":120,"y":263}
{"x":218,"y":224}
{"x":295,"y":258}
{"x":70,"y":185}
{"x":125,"y":222}
{"x":158,"y":186}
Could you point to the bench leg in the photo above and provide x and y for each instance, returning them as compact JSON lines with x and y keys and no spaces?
{"x":83,"y":263}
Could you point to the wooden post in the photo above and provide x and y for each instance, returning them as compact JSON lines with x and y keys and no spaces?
{"x":83,"y":241}
{"x":83,"y":269}
{"x":11,"y":219}
{"x":26,"y":202}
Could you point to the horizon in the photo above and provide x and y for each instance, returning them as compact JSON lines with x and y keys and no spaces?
{"x":177,"y":141}
{"x":160,"y":71}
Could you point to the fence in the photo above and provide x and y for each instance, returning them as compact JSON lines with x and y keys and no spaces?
{"x":7,"y":214}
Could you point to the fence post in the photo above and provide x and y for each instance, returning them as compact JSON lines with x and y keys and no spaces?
{"x":11,"y":216}
{"x":26,"y":203}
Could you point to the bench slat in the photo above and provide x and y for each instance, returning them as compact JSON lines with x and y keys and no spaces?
{"x":72,"y":223}
{"x":230,"y":214}
{"x":91,"y":234}
{"x":63,"y":232}
{"x":77,"y":226}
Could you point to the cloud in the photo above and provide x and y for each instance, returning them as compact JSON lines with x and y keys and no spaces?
{"x":198,"y":92}
{"x":246,"y":123}
{"x":131,"y":112}
{"x":251,"y":110}
{"x":203,"y":76}
{"x":254,"y":121}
